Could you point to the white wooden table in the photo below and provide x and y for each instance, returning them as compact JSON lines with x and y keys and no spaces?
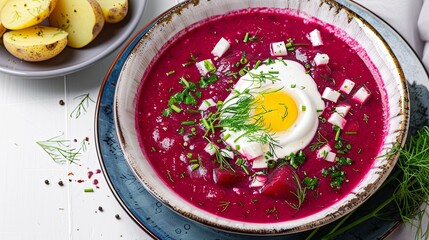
{"x":32,"y":111}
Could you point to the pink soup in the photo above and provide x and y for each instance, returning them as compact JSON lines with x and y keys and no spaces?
{"x":175,"y":133}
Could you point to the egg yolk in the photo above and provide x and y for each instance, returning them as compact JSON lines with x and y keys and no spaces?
{"x":278,"y":109}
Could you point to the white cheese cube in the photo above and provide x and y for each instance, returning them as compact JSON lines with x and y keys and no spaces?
{"x":342,"y":109}
{"x":278,"y":49}
{"x":321,"y":59}
{"x":210,"y":149}
{"x":206,"y":104}
{"x":330,"y":157}
{"x":258,"y":181}
{"x":362,"y":95}
{"x":221,"y":47}
{"x":315,"y":38}
{"x":205,"y":66}
{"x":331,"y":95}
{"x":249,"y":150}
{"x":347,"y":86}
{"x":259,"y":163}
{"x":227,"y":153}
{"x":323,"y":151}
{"x":337,"y":120}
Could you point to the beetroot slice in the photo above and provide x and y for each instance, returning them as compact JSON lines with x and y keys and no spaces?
{"x":226,"y":177}
{"x":281,"y":184}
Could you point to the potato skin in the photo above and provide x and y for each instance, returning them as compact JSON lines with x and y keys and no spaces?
{"x":20,"y":14}
{"x":2,"y":30}
{"x":114,"y":11}
{"x":35,"y":44}
{"x":82,"y":19}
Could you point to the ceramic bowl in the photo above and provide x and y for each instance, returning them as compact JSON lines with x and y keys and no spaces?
{"x":331,"y":12}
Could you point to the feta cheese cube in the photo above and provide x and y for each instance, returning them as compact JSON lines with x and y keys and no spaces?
{"x":278,"y":49}
{"x":259,"y":163}
{"x":227,"y":153}
{"x":221,"y":47}
{"x":206,"y":104}
{"x":321,"y":59}
{"x":315,"y":38}
{"x":323,"y":151}
{"x":347,"y":86}
{"x":258,"y":181}
{"x":362,"y":95}
{"x":249,"y":150}
{"x":337,"y":120}
{"x":210,"y":149}
{"x":205,"y":67}
{"x":342,"y":109}
{"x":331,"y":95}
{"x":330,"y":157}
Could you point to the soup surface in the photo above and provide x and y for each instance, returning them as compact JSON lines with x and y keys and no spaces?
{"x":255,"y":116}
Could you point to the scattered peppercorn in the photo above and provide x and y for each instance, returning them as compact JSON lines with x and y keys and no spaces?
{"x":47,"y":182}
{"x":100,"y":209}
{"x":61,"y":183}
{"x":61,"y":102}
{"x":117,"y":216}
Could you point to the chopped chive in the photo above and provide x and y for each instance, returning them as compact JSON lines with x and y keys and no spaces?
{"x":193,"y":161}
{"x":170,"y":72}
{"x":273,"y":72}
{"x":195,"y":166}
{"x":246,"y":37}
{"x":88,"y":190}
{"x":188,"y":123}
{"x":153,"y":149}
{"x":257,"y":64}
{"x":189,"y":155}
{"x":303,"y":108}
{"x":226,"y":136}
{"x":205,"y":123}
{"x":351,"y":133}
{"x":337,"y":135}
{"x":243,"y":60}
{"x":175,"y":108}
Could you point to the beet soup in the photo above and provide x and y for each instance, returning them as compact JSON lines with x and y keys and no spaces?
{"x":261,"y":116}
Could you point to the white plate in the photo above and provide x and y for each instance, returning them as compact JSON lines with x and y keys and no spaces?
{"x":71,"y":60}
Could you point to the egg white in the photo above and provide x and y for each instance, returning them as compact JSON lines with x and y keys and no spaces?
{"x":293,"y":80}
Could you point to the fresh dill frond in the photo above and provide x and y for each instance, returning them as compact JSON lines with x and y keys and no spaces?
{"x":411,"y":191}
{"x":224,"y":205}
{"x":82,"y":106}
{"x":321,"y":140}
{"x":300,"y":193}
{"x":60,"y":151}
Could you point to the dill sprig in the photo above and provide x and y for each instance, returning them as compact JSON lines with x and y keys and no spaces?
{"x":321,"y":140}
{"x":60,"y":151}
{"x":411,"y":191}
{"x":300,"y":193}
{"x":82,"y":106}
{"x":224,"y":205}
{"x":223,"y":162}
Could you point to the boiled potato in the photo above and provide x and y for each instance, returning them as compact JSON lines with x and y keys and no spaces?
{"x":20,"y":14}
{"x":37,"y":43}
{"x":2,"y":28}
{"x":114,"y":10}
{"x":82,"y":19}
